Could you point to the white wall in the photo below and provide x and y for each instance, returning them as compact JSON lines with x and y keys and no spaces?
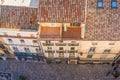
{"x":100,"y":47}
{"x":16,"y":43}
{"x":15,"y":32}
{"x":56,"y":55}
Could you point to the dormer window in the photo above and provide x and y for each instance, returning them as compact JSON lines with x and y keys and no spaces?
{"x":114,"y":4}
{"x":100,"y":3}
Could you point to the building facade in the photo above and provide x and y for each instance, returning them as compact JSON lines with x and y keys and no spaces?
{"x":72,"y":30}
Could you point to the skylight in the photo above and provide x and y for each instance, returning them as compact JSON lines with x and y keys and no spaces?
{"x":99,"y":4}
{"x":114,"y":4}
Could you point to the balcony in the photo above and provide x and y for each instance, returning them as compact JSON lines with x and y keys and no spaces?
{"x":48,"y":44}
{"x":49,"y":51}
{"x":60,"y":44}
{"x":60,"y":51}
{"x":73,"y":44}
{"x":72,"y":51}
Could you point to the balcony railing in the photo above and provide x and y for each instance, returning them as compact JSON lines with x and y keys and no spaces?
{"x":60,"y":44}
{"x":71,"y":56}
{"x":61,"y":55}
{"x":49,"y":51}
{"x":72,"y":51}
{"x":60,"y":51}
{"x":48,"y":44}
{"x":73,"y":44}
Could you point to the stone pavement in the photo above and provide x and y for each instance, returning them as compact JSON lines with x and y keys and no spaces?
{"x":41,"y":71}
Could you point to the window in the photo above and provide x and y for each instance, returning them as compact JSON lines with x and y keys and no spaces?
{"x":49,"y":48}
{"x":2,"y":46}
{"x":89,"y":56}
{"x":72,"y":54}
{"x":92,"y":50}
{"x":72,"y":48}
{"x":61,"y":54}
{"x":37,"y":50}
{"x":27,"y":50}
{"x":50,"y":55}
{"x":22,"y":41}
{"x":60,"y":48}
{"x":106,"y":51}
{"x":15,"y":49}
{"x":34,"y":41}
{"x":73,"y":41}
{"x":100,"y":3}
{"x":61,"y":41}
{"x":47,"y":42}
{"x":6,"y":52}
{"x":114,"y":4}
{"x":81,"y":53}
{"x":10,"y":41}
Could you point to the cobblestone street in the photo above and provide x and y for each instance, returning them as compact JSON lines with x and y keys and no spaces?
{"x":40,"y":71}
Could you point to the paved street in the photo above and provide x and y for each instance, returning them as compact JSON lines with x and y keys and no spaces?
{"x":40,"y":71}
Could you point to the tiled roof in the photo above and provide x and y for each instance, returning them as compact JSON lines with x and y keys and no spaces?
{"x":15,"y":17}
{"x":60,"y":10}
{"x":103,"y":23}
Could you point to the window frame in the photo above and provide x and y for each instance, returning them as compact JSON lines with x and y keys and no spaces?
{"x":15,"y":49}
{"x":10,"y":40}
{"x":27,"y":50}
{"x":107,"y":51}
{"x":99,"y":1}
{"x":92,"y":50}
{"x":72,"y":48}
{"x":113,"y":7}
{"x":35,"y":42}
{"x":22,"y":41}
{"x":61,"y":48}
{"x":37,"y":50}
